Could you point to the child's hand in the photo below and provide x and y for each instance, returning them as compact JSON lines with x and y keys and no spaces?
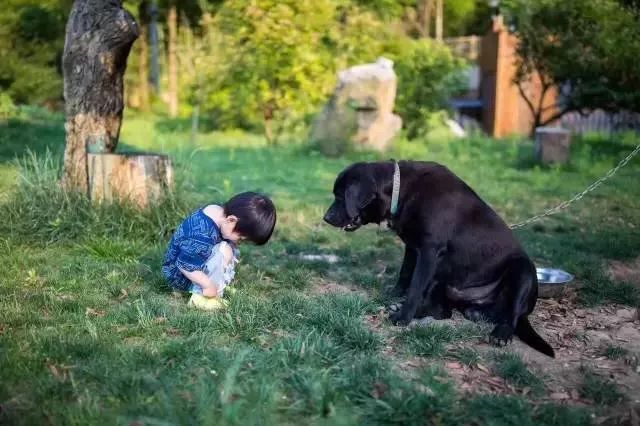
{"x":210,"y":292}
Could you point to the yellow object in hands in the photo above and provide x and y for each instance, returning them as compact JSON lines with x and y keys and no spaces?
{"x":207,"y":303}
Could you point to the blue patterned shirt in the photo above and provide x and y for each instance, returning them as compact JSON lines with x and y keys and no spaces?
{"x":190,"y":248}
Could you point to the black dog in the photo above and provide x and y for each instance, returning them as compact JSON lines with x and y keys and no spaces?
{"x":459,"y":254}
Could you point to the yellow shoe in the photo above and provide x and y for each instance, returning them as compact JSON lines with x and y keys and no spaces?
{"x":207,"y":303}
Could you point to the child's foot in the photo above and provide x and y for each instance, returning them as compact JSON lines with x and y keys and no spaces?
{"x":207,"y":303}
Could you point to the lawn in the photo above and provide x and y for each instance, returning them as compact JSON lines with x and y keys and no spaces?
{"x":89,"y":333}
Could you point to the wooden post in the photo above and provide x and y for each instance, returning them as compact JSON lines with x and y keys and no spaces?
{"x":552,"y":145}
{"x":439,"y":19}
{"x":138,"y":178}
{"x":97,"y":44}
{"x":425,"y":11}
{"x":172,"y":24}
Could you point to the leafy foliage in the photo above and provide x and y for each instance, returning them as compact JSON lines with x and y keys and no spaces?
{"x":268,"y":68}
{"x":589,"y":49}
{"x":428,"y":74}
{"x":31,"y":42}
{"x":278,"y":61}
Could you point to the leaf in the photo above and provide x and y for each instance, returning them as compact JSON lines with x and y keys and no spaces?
{"x":482,"y":368}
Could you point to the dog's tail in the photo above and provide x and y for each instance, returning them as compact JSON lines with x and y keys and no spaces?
{"x":528,"y":335}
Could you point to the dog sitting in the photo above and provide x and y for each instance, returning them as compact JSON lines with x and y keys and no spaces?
{"x":459,"y":254}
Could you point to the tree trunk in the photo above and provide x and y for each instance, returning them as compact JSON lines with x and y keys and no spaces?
{"x":98,"y":40}
{"x":268,"y":113}
{"x":172,"y":23}
{"x":425,"y":11}
{"x":153,"y":36}
{"x":143,"y":65}
{"x":439,"y":19}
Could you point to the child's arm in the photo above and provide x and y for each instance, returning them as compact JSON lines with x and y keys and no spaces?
{"x":209,"y":288}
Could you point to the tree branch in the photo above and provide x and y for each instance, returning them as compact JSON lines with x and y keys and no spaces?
{"x":556,"y":116}
{"x":526,"y":99}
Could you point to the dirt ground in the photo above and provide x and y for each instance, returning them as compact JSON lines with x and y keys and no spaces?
{"x":580,"y":337}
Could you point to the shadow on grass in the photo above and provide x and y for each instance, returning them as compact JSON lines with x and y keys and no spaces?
{"x":18,"y":136}
{"x":184,"y":125}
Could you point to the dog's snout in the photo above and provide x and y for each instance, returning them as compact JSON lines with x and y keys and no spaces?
{"x":329,"y":217}
{"x":333,"y":216}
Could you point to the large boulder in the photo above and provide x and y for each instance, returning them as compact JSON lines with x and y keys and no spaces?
{"x":360,"y":111}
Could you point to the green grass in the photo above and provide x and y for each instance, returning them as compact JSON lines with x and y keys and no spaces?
{"x":614,"y":352}
{"x":599,"y":390}
{"x":431,"y":340}
{"x":492,"y":410}
{"x":90,"y":334}
{"x":465,"y":355}
{"x":510,"y":367}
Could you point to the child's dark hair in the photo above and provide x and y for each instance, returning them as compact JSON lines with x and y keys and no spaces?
{"x":256,"y":216}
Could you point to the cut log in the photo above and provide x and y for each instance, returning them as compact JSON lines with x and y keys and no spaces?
{"x":552,"y":145}
{"x":139,"y":178}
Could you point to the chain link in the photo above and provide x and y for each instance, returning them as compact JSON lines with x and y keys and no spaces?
{"x":563,"y":205}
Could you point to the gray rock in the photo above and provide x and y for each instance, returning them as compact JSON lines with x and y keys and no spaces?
{"x":360,"y":111}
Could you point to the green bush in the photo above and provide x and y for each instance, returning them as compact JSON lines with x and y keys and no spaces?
{"x":428,"y":75}
{"x":31,"y":43}
{"x":275,"y":63}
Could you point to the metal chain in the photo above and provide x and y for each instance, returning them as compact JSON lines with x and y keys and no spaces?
{"x":563,"y":205}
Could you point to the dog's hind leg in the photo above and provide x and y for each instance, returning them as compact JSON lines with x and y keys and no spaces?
{"x":406,"y":272}
{"x":515,"y":302}
{"x":517,"y":289}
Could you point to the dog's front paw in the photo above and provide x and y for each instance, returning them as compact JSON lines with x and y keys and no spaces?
{"x":501,"y":335}
{"x":398,"y":319}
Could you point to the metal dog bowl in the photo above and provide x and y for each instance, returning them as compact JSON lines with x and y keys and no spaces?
{"x":552,"y":282}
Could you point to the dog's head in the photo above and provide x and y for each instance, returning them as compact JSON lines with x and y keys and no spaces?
{"x":357,"y":198}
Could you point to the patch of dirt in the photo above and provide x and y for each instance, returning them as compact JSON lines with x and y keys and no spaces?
{"x":580,"y":337}
{"x":323,"y":286}
{"x":628,"y":272}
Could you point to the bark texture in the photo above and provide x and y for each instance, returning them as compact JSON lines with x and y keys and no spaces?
{"x":139,"y":178}
{"x":99,"y":37}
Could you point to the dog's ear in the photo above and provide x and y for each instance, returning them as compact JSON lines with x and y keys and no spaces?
{"x":355,"y":200}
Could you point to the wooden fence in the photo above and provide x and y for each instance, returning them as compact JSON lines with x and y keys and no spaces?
{"x":600,"y":121}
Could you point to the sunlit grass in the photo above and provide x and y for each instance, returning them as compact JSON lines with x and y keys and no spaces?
{"x":89,"y":332}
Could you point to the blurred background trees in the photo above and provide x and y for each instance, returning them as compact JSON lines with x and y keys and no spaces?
{"x":267,"y":65}
{"x":261,"y":65}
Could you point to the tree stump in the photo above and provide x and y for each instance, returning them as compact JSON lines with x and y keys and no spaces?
{"x":138,"y":178}
{"x":552,"y":145}
{"x":98,"y":40}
